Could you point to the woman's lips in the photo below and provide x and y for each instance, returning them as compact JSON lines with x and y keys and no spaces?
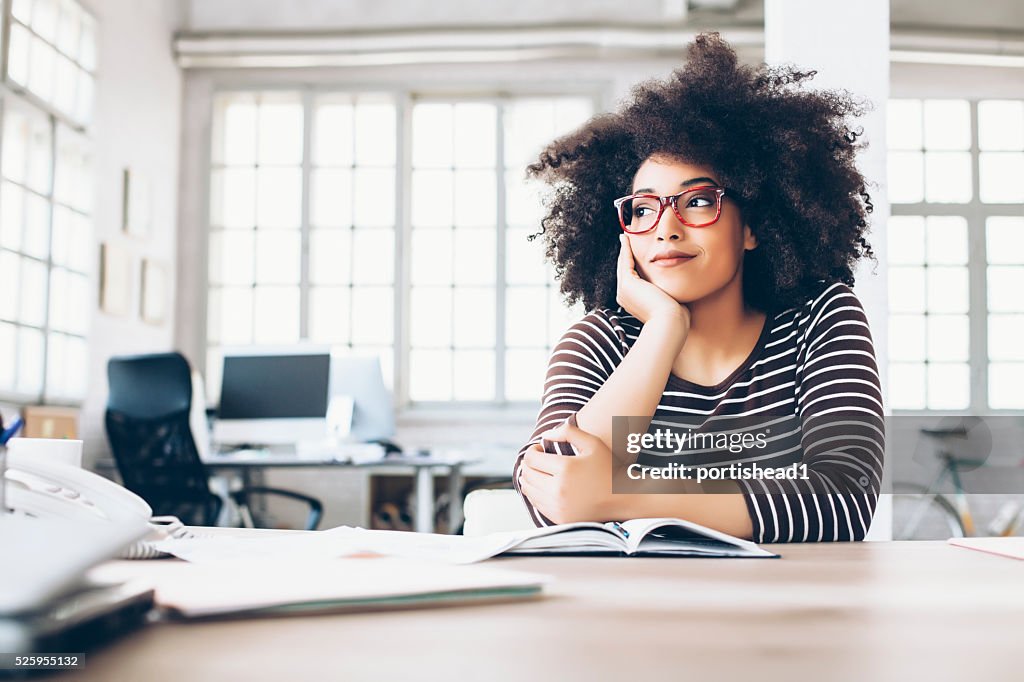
{"x":669,"y":262}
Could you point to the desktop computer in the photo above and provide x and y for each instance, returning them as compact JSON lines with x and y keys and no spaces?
{"x":301,"y":395}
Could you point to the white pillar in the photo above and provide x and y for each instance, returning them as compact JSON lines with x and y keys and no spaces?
{"x":848,"y":45}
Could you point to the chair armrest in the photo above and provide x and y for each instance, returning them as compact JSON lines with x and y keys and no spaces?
{"x":316,"y":508}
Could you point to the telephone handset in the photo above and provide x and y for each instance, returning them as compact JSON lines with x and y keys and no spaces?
{"x":54,"y":490}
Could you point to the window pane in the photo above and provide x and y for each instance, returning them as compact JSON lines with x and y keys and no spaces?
{"x":276,"y":315}
{"x":41,"y":76}
{"x":30,"y":361}
{"x":1001,"y":177}
{"x":474,"y":375}
{"x":330,"y":256}
{"x":17,"y":59}
{"x":947,"y":124}
{"x":232,"y":257}
{"x":474,"y":317}
{"x":431,"y":256}
{"x":59,"y":300}
{"x":329,"y":314}
{"x":475,"y":135}
{"x":1004,"y":382}
{"x":1005,"y":335}
{"x":948,"y":338}
{"x":906,"y":290}
{"x":1004,"y":287}
{"x":68,"y":28}
{"x":949,"y":386}
{"x":44,"y":19}
{"x":524,"y":374}
{"x":278,"y":258}
{"x":524,"y":260}
{"x":80,"y":296}
{"x":11,"y":215}
{"x":1000,"y":125}
{"x":948,"y":290}
{"x":475,"y":256}
{"x":331,"y":198}
{"x":83,"y":106}
{"x":66,"y":78}
{"x":8,"y":334}
{"x":332,"y":132}
{"x":87,"y":48}
{"x":432,"y":136}
{"x":947,"y":240}
{"x":27,"y":149}
{"x":374,"y":256}
{"x":948,"y":177}
{"x":55,"y":366}
{"x":523,"y":306}
{"x":280,"y":130}
{"x":560,"y":317}
{"x":906,"y":386}
{"x":22,"y":11}
{"x":234,"y":129}
{"x":1004,"y":240}
{"x":904,"y":124}
{"x":10,"y":278}
{"x":529,"y":127}
{"x":233,"y":309}
{"x":374,"y":197}
{"x":233,"y":198}
{"x":432,"y":198}
{"x":73,"y":177}
{"x":906,"y":177}
{"x":76,"y":363}
{"x":83,"y":249}
{"x":907,"y":338}
{"x":523,"y":205}
{"x":431,"y":317}
{"x":375,"y":133}
{"x":279,"y":197}
{"x":369,"y":325}
{"x":430,"y":375}
{"x":33,"y":292}
{"x":476,"y":201}
{"x":36,"y":238}
{"x":906,"y":240}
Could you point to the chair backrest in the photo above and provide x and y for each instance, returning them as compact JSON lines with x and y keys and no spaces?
{"x":147,"y":422}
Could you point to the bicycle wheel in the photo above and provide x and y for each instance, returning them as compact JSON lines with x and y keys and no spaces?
{"x":920,"y":515}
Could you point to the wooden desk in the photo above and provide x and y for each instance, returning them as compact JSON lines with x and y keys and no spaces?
{"x":863,"y":612}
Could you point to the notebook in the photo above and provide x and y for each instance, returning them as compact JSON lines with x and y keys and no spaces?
{"x":636,"y":537}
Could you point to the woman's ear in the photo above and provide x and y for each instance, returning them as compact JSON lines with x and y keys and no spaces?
{"x":749,"y":240}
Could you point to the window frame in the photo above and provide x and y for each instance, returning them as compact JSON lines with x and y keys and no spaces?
{"x":975,"y":213}
{"x":404,"y":96}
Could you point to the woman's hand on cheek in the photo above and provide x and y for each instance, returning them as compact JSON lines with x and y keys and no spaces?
{"x":640,"y":298}
{"x":564,"y":488}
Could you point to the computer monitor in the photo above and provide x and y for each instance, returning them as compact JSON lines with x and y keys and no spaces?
{"x":359,"y":378}
{"x":272,"y":397}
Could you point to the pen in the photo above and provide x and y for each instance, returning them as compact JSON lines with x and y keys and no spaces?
{"x":9,"y":433}
{"x":618,"y":527}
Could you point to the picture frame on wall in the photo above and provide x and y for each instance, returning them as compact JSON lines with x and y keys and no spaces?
{"x":137,"y":214}
{"x":115,"y":280}
{"x":153,"y":302}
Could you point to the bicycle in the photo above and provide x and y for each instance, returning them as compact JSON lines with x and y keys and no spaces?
{"x":922,"y":513}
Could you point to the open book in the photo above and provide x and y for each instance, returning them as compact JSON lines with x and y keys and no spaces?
{"x":637,"y":537}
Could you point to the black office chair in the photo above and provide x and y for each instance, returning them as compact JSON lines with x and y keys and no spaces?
{"x":148,"y":428}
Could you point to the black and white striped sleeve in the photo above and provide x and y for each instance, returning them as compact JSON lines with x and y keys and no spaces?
{"x":580,"y":363}
{"x":839,"y":403}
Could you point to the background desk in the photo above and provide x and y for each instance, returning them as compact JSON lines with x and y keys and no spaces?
{"x":852,"y":611}
{"x":423,"y":467}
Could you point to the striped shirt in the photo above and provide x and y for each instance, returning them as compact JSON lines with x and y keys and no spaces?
{"x":813,"y":364}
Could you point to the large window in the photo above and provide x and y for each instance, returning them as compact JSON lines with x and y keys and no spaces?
{"x":395,"y":225}
{"x":956,"y":254}
{"x":46,"y":188}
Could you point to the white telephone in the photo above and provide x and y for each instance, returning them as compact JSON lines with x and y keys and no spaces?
{"x":54,"y":490}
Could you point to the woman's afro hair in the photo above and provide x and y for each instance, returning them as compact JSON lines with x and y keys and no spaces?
{"x":786,"y":153}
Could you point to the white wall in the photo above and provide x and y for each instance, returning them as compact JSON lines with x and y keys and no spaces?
{"x":136,"y":125}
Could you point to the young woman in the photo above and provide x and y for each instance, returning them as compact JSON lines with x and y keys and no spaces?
{"x":711,"y":227}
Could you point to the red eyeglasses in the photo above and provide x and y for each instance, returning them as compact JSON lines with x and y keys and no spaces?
{"x":695,"y":207}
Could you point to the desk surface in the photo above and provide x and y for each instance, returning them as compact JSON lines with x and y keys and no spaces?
{"x":858,"y":611}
